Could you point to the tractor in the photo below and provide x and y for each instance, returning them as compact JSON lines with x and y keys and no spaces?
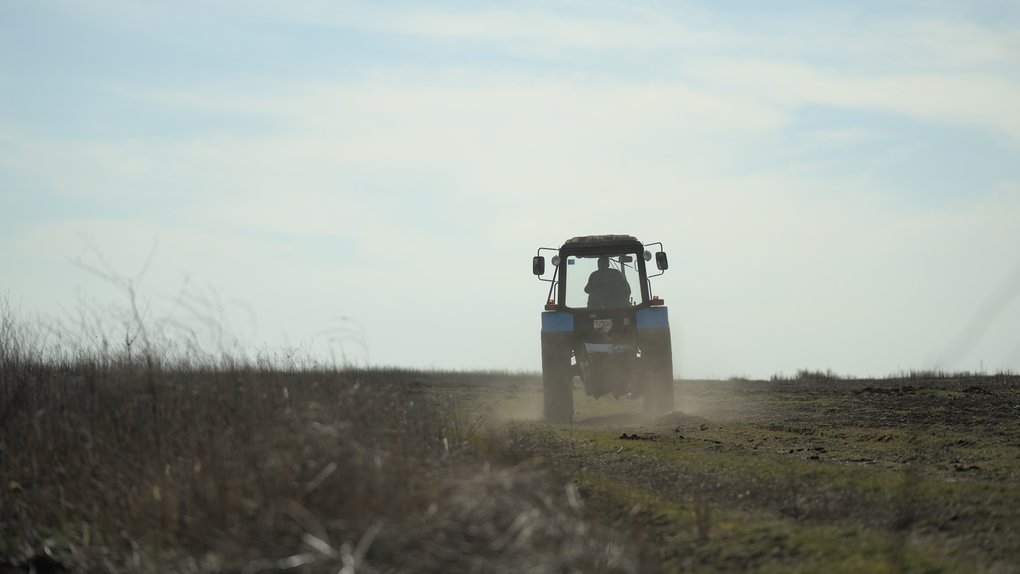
{"x":602,"y":325}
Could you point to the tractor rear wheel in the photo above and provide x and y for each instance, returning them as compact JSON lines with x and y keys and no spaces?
{"x":557,"y":378}
{"x":657,"y":370}
{"x":659,"y":396}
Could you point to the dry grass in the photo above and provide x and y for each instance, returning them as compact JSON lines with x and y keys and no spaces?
{"x":113,"y":462}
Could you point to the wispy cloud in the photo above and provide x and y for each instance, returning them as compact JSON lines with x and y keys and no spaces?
{"x":976,"y":100}
{"x":429,"y":147}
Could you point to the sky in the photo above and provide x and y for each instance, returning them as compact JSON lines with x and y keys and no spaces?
{"x":837,"y":184}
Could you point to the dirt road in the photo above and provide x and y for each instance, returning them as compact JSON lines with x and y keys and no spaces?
{"x":905,"y":475}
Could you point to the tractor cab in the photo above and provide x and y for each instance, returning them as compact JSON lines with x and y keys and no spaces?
{"x":599,"y":272}
{"x":602,"y":324}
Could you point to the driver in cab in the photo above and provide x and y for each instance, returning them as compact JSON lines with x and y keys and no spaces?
{"x":607,"y":287}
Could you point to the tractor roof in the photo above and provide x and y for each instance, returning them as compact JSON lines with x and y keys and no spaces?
{"x":595,"y":243}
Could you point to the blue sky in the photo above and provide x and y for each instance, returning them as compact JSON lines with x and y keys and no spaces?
{"x":836,"y":184}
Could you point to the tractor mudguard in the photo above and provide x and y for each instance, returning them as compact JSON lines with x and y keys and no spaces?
{"x":557,"y":322}
{"x":652,"y":318}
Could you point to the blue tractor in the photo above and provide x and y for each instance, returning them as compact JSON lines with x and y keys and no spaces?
{"x":602,"y":324}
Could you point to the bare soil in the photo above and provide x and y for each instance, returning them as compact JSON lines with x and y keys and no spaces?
{"x":919,"y":474}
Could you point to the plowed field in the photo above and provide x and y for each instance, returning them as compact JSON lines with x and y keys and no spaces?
{"x":893,"y":475}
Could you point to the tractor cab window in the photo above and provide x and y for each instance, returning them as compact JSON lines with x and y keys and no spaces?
{"x":611,"y":283}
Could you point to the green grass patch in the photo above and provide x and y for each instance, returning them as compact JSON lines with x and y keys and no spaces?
{"x":697,"y":535}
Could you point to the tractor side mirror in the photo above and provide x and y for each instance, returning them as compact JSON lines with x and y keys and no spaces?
{"x":661,"y":261}
{"x":538,"y":265}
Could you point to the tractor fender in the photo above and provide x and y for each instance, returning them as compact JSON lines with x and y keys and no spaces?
{"x":652,"y":318}
{"x":557,"y":322}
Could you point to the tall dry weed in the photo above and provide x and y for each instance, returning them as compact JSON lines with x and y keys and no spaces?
{"x":138,"y":461}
